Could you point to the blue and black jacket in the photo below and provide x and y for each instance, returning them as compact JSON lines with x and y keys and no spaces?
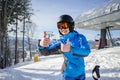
{"x":74,"y":59}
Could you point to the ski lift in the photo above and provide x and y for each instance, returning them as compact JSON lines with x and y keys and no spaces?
{"x":49,"y":34}
{"x":97,"y":37}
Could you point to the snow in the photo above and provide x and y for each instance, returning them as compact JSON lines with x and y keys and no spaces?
{"x":48,"y":67}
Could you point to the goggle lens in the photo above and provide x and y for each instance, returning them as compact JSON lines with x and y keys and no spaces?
{"x":63,"y":25}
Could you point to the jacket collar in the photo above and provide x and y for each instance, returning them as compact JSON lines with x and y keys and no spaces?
{"x":70,"y":36}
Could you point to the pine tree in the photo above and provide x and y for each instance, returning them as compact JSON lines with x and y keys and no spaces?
{"x":10,"y":14}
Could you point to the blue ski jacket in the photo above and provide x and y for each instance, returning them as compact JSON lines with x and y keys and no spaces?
{"x":74,"y":59}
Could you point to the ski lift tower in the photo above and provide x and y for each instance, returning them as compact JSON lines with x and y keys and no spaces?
{"x":104,"y":18}
{"x":49,"y":34}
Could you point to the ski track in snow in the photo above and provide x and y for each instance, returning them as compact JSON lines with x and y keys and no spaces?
{"x":48,"y":67}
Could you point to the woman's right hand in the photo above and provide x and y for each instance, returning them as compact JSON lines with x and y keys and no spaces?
{"x":44,"y":41}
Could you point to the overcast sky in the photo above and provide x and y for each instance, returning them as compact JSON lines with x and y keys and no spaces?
{"x":46,"y":13}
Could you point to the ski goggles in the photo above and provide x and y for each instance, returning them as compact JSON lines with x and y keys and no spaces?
{"x":64,"y":25}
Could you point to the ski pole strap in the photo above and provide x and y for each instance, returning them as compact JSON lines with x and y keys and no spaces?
{"x":96,"y":73}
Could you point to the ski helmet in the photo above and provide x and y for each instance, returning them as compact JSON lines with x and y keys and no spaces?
{"x":68,"y":19}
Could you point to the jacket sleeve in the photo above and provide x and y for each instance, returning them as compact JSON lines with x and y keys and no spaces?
{"x":83,"y":49}
{"x":51,"y":49}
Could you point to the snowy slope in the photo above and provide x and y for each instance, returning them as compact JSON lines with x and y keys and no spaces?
{"x":109,"y":61}
{"x":48,"y":67}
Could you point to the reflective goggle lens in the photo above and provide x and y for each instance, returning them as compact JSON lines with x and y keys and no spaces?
{"x":63,"y":25}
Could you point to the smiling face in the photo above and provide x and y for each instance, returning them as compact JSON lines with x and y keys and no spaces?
{"x":63,"y":28}
{"x":64,"y":31}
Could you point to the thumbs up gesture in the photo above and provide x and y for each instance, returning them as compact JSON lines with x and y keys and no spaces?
{"x":44,"y":41}
{"x":65,"y":47}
